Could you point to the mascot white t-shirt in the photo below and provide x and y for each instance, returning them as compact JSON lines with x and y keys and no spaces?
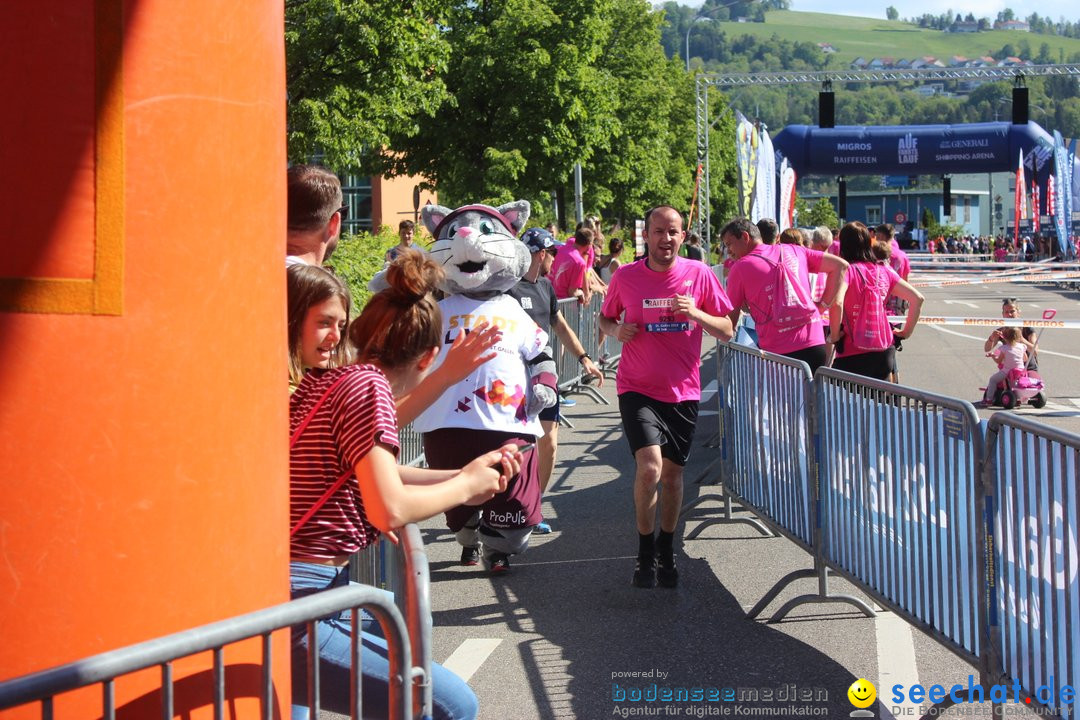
{"x":495,"y":395}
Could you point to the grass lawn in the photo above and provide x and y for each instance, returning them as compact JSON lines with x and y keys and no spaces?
{"x":868,"y":37}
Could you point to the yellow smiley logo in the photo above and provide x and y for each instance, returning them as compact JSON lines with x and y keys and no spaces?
{"x":862,"y":693}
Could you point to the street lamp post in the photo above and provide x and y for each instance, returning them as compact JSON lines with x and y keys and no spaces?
{"x":688,"y":29}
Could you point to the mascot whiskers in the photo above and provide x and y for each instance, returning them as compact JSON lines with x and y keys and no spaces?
{"x":478,"y":248}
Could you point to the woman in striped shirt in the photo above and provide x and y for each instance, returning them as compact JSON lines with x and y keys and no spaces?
{"x":346,"y":486}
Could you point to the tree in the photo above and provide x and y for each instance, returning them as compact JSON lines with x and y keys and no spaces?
{"x":892,"y":13}
{"x":821,"y":213}
{"x":650,"y":154}
{"x":359,"y":73}
{"x":529,"y":99}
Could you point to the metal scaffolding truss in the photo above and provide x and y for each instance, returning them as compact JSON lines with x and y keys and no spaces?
{"x":704,"y":81}
{"x":889,"y":75}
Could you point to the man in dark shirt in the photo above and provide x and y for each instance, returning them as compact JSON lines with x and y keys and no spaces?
{"x":537,"y":298}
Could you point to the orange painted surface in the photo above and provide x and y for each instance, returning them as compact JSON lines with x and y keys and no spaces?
{"x":142,"y":455}
{"x":392,"y":200}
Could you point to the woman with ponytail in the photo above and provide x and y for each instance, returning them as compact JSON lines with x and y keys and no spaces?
{"x":346,"y":486}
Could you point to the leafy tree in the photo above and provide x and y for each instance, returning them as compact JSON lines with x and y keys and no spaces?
{"x":358,"y":73}
{"x":892,"y":13}
{"x":528,"y":99}
{"x":650,"y":153}
{"x":821,"y":213}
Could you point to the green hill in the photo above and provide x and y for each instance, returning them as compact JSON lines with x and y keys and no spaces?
{"x":856,"y":36}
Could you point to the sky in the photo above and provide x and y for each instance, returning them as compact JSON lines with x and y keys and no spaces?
{"x":1055,"y":9}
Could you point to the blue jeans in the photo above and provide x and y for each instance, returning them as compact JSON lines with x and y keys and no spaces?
{"x":453,"y":699}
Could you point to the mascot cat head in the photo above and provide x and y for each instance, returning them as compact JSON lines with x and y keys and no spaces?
{"x":477,"y":246}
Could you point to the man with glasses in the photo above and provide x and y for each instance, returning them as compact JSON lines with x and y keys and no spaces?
{"x":316,"y":213}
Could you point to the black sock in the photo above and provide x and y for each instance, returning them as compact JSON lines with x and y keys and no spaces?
{"x":664,"y":543}
{"x":646,"y":548}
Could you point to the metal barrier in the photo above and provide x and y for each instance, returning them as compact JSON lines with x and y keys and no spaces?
{"x":105,"y":668}
{"x":403,"y":570}
{"x":767,"y":460}
{"x":582,"y":320}
{"x":1030,"y":471}
{"x":900,"y":492}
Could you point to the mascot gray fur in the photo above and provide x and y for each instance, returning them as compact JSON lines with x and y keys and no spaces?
{"x":477,"y":247}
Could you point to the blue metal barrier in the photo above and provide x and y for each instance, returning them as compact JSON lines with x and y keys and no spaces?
{"x":1032,"y":470}
{"x":767,"y":459}
{"x":103,"y":669}
{"x":900,"y":491}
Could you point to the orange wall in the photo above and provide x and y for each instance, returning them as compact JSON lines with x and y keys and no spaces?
{"x":144,"y":471}
{"x":392,"y":200}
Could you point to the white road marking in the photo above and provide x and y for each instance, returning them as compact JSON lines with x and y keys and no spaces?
{"x":710,"y":388}
{"x":982,"y":339}
{"x":470,"y":655}
{"x":961,"y":302}
{"x":896,"y":659}
{"x":1075,"y":401}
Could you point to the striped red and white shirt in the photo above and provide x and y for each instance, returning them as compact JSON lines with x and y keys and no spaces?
{"x":358,"y":413}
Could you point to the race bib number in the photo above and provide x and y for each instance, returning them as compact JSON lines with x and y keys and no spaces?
{"x":660,"y":316}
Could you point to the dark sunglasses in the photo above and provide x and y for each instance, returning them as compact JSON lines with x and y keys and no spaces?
{"x":344,"y":211}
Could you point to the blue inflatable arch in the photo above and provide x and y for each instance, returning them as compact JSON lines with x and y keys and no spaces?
{"x":914,"y":149}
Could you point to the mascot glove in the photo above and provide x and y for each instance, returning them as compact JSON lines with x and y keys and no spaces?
{"x":544,"y":394}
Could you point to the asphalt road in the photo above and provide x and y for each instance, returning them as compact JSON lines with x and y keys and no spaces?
{"x":949,"y":359}
{"x":564,"y":634}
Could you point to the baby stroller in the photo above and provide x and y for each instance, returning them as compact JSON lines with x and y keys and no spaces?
{"x":1021,"y":386}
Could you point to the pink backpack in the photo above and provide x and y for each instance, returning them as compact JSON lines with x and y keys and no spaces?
{"x":791,"y":304}
{"x":870,"y":329}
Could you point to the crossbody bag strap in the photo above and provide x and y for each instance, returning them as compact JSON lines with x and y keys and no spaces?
{"x":292,"y":441}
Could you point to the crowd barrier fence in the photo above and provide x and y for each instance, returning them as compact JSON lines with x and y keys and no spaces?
{"x":967,"y":530}
{"x":104,"y":669}
{"x":1033,"y":511}
{"x":899,"y":479}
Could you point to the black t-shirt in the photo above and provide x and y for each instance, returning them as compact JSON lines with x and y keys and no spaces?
{"x":537,"y":300}
{"x":695,"y":253}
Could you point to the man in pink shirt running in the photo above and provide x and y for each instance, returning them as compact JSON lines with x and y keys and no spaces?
{"x":750,"y":286}
{"x":657,"y":307}
{"x":569,"y":272}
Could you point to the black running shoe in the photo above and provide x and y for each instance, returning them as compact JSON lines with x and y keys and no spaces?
{"x":645,"y":573}
{"x":470,"y":556}
{"x":666,"y":573}
{"x":498,"y":563}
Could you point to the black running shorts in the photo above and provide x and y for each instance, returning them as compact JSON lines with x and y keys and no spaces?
{"x":651,"y":422}
{"x":868,"y":364}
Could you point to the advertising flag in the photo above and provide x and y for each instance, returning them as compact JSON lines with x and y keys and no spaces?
{"x":765,"y":182}
{"x":1062,"y":191}
{"x":1035,"y":205}
{"x":746,"y":147}
{"x":1018,"y":195}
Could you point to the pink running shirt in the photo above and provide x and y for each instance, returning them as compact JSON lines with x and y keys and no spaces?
{"x":886,"y":276}
{"x":899,"y":261}
{"x":567,"y":271}
{"x":748,"y":287}
{"x":662,"y":361}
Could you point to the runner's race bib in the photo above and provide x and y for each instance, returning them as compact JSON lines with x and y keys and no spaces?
{"x":660,"y":316}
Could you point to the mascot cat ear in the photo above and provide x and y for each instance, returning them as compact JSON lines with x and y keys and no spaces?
{"x":517,"y":213}
{"x":432,"y":215}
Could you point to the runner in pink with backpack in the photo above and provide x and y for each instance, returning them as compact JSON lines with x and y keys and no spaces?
{"x":859,"y":327}
{"x":772,"y":282}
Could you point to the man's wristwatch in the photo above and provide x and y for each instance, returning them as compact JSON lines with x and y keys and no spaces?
{"x":583,"y":357}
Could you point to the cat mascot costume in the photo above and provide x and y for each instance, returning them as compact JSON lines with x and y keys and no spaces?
{"x":477,"y":246}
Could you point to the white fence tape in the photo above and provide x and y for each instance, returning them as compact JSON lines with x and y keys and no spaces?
{"x":1032,"y":277}
{"x":990,"y":322}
